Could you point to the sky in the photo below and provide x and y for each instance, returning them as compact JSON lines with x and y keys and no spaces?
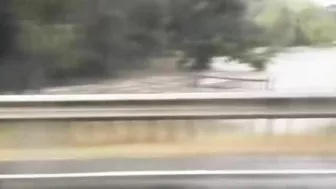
{"x":325,"y":2}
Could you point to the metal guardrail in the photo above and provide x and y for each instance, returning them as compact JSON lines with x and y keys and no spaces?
{"x":186,"y":173}
{"x":168,"y":174}
{"x":174,"y":106}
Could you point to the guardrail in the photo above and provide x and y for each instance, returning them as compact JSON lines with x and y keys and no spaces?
{"x":174,"y":106}
{"x":168,"y":174}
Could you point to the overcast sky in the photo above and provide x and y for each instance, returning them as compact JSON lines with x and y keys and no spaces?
{"x":325,"y":2}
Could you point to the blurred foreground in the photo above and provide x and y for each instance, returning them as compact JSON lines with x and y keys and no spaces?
{"x":69,"y":140}
{"x":262,"y":182}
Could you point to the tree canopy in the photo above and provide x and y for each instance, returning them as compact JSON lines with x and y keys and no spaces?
{"x":300,"y":23}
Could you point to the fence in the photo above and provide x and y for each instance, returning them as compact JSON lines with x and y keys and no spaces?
{"x":236,"y":80}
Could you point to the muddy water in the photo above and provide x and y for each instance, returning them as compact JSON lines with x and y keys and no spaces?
{"x":299,"y":69}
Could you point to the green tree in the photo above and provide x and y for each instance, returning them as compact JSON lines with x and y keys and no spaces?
{"x":296,"y":23}
{"x":202,"y":29}
{"x":44,"y":11}
{"x":8,"y":30}
{"x":124,"y":38}
{"x":46,"y":38}
{"x":318,"y":25}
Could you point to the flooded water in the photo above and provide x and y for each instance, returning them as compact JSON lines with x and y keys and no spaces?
{"x":299,"y":69}
{"x":304,"y":70}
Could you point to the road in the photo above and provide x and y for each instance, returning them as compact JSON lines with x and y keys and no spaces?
{"x":187,"y":163}
{"x":291,"y":182}
{"x":204,"y":163}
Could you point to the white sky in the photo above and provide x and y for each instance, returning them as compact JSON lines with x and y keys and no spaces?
{"x":325,"y":2}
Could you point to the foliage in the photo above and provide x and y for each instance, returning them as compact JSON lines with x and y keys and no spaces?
{"x":202,"y":29}
{"x":288,"y":25}
{"x":43,"y":11}
{"x":8,"y":30}
{"x":318,"y":25}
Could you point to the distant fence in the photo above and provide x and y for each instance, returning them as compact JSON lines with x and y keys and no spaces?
{"x":245,"y":80}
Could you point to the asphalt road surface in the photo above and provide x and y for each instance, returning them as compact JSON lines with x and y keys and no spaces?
{"x":195,"y":182}
{"x":291,"y":182}
{"x":187,"y":163}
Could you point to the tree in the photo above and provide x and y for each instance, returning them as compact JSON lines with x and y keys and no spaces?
{"x":125,"y":37}
{"x":202,"y":29}
{"x":279,"y":22}
{"x":102,"y":39}
{"x":8,"y":30}
{"x":46,"y":38}
{"x":318,"y":25}
{"x":44,"y":11}
{"x":297,"y":23}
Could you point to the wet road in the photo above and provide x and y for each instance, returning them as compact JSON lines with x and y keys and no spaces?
{"x":187,"y":163}
{"x":204,"y":163}
{"x":291,"y":182}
